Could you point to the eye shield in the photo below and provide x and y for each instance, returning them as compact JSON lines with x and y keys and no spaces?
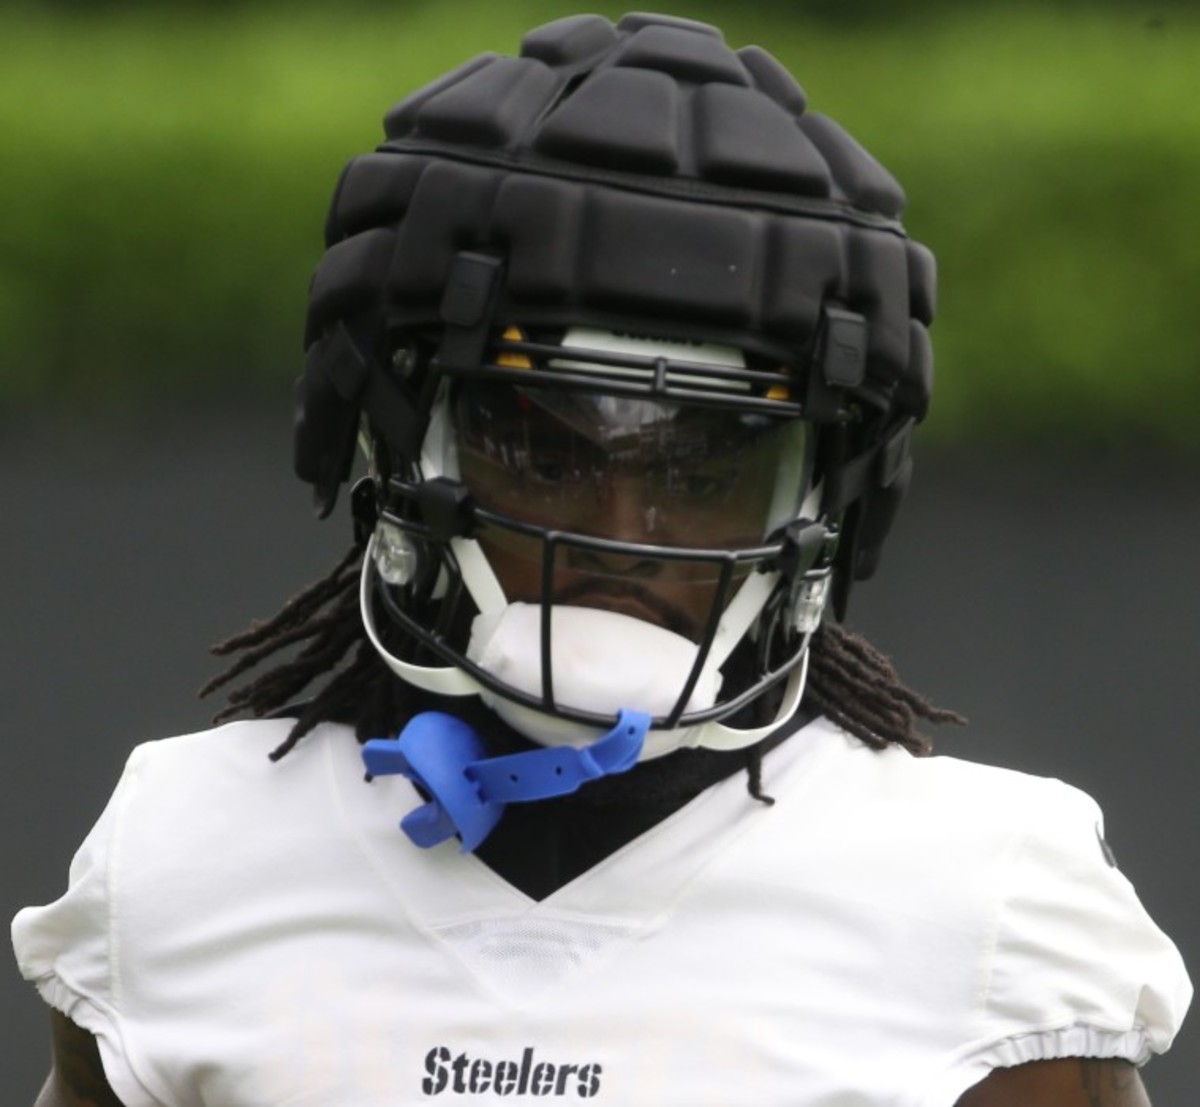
{"x":642,"y":471}
{"x":604,"y":463}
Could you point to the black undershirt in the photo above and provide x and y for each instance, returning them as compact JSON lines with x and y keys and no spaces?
{"x":539,"y":847}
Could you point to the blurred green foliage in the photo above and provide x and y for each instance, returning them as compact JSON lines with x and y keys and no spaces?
{"x":166,"y":172}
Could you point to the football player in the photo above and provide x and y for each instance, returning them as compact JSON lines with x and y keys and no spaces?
{"x":634,"y":345}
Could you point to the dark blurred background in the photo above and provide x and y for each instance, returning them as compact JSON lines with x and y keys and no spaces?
{"x":165,"y":174}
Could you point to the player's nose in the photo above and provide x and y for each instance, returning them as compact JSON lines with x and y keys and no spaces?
{"x":623,"y":515}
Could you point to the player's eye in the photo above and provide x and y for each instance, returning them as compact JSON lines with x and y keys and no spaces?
{"x":549,"y":470}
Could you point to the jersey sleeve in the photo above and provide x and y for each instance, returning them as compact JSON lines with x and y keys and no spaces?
{"x":1078,"y":968}
{"x":1074,"y":965}
{"x":66,"y":949}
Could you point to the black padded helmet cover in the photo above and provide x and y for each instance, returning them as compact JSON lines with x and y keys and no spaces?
{"x":642,"y":175}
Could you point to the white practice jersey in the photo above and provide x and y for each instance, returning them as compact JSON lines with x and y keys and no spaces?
{"x":245,"y":934}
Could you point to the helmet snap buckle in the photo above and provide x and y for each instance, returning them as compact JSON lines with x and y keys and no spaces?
{"x":396,"y":555}
{"x":808,"y":602}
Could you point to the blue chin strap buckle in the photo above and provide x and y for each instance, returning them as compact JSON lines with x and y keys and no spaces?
{"x":468,"y":790}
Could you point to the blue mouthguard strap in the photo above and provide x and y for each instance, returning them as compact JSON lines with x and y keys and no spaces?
{"x":468,"y":790}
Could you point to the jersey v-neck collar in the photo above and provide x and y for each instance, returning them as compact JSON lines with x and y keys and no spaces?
{"x":521,"y":951}
{"x":634,"y":884}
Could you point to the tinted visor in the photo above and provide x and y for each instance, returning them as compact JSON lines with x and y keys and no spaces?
{"x":631,"y":470}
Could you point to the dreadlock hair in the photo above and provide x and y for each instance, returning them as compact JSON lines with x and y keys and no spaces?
{"x":849,"y":681}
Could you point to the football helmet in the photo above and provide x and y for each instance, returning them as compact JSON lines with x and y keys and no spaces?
{"x":634,"y":343}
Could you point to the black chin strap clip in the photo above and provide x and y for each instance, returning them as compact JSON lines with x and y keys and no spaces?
{"x":807,"y":545}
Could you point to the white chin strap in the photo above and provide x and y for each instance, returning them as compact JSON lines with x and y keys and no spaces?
{"x":601,"y":661}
